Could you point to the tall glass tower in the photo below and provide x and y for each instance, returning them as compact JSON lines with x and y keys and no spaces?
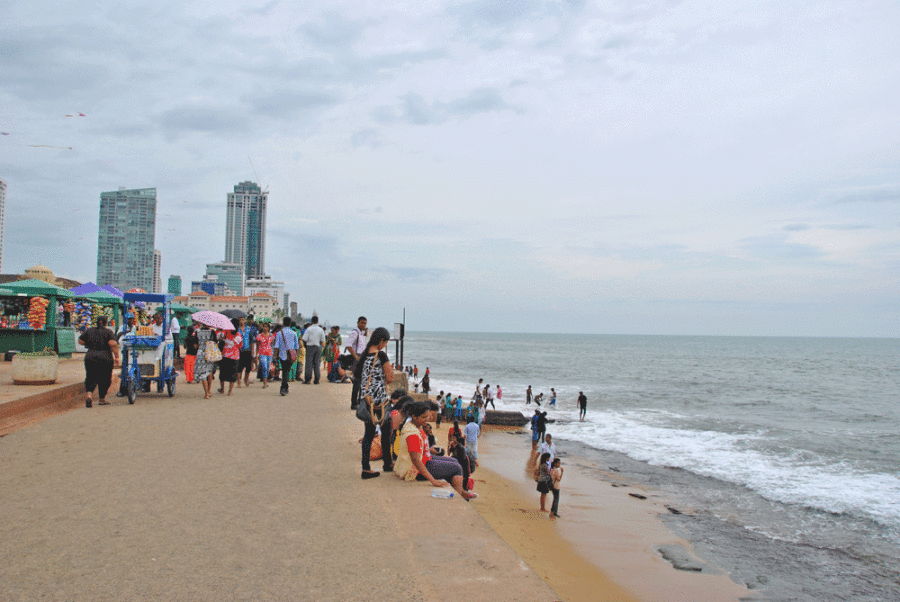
{"x":245,"y":228}
{"x":126,"y":238}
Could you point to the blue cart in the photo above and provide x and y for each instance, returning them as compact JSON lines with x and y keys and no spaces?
{"x":149,"y":359}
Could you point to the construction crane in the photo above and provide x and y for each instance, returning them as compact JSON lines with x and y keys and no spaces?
{"x":266,"y":191}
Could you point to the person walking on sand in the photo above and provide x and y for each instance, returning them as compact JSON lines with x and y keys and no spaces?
{"x":556,"y":475}
{"x":287,"y":345}
{"x":582,"y":406}
{"x":264,"y":353}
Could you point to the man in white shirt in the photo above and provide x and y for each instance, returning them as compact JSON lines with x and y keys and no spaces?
{"x":356,"y":345}
{"x":313,"y":339}
{"x":175,"y":329}
{"x":547,"y":447}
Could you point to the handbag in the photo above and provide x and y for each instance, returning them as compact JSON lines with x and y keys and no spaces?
{"x":292,"y":353}
{"x":211,"y":352}
{"x":366,"y":411}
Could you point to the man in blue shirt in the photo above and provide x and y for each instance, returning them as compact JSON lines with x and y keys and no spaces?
{"x":248,"y":342}
{"x":286,"y":347}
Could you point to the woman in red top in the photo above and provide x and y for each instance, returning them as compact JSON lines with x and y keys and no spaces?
{"x":264,"y":352}
{"x":231,"y":353}
{"x":437,"y":470}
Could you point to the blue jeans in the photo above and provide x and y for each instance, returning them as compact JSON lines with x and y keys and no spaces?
{"x":265,"y":363}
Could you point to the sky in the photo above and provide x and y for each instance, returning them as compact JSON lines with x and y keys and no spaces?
{"x":614,"y":167}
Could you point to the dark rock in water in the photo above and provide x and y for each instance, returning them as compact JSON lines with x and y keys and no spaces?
{"x":638,"y":496}
{"x":505,"y":418}
{"x":680,"y":558}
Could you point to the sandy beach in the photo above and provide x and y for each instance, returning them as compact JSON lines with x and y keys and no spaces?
{"x":258,"y":497}
{"x":606,"y":539}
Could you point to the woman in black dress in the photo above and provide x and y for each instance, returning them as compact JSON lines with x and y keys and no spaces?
{"x":102,"y":354}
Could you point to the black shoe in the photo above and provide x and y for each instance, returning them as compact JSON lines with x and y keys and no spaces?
{"x":283,"y":392}
{"x":370,"y":474}
{"x":88,"y":404}
{"x":315,"y":382}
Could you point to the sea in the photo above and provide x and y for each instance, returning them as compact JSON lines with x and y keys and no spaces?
{"x":783,"y":453}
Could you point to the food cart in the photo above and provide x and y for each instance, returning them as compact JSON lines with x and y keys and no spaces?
{"x":87,"y":307}
{"x":148,"y":357}
{"x":29,"y":318}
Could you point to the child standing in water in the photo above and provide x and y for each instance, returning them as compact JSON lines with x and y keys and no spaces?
{"x":556,"y":475}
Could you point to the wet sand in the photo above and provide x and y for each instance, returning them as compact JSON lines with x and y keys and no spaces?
{"x":605,"y":541}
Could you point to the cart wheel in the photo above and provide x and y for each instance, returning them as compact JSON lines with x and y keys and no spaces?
{"x":132,"y":390}
{"x":170,"y":387}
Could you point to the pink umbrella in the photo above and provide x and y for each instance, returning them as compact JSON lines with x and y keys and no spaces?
{"x":213,"y":319}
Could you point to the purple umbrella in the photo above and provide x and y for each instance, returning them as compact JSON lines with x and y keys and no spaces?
{"x":213,"y":319}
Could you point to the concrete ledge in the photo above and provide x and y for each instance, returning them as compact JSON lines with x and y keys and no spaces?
{"x":39,"y":406}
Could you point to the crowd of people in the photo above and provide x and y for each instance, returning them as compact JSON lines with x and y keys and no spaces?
{"x":287,"y":352}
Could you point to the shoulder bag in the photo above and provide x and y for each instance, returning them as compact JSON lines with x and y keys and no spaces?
{"x":212,"y":352}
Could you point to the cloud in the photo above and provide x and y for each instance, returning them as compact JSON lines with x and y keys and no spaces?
{"x":872,"y":194}
{"x":415,"y":110}
{"x":414,"y":275}
{"x":201,"y":119}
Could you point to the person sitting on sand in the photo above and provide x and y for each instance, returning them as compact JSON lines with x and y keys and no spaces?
{"x":457,"y":450}
{"x":556,"y":474}
{"x":454,"y":431}
{"x":544,"y":481}
{"x":415,"y":461}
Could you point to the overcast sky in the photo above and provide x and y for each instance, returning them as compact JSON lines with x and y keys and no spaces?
{"x":698,"y":167}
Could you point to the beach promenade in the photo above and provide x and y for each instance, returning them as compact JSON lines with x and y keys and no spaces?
{"x":248,"y":497}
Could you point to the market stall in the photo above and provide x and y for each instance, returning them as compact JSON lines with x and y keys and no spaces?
{"x":29,"y":316}
{"x":88,"y":307}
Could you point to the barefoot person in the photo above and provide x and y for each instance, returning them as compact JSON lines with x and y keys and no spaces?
{"x":582,"y":406}
{"x":544,"y":480}
{"x":556,"y":475}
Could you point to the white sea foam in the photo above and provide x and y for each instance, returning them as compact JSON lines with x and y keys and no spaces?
{"x":798,"y":478}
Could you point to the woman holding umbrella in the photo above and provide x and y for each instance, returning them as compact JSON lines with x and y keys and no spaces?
{"x":208,"y":353}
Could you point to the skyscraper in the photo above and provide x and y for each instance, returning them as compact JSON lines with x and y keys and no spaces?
{"x":126,"y":238}
{"x":245,"y":228}
{"x":2,"y":217}
{"x":175,"y":285}
{"x":232,"y":274}
{"x":157,"y":271}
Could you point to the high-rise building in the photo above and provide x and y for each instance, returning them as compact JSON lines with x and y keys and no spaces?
{"x":157,"y":271}
{"x":273,"y":288}
{"x":2,"y":217}
{"x":126,"y":238}
{"x":232,"y":274}
{"x":174,"y":285}
{"x":245,"y":228}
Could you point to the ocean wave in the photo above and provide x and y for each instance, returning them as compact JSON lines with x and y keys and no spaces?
{"x":798,"y":477}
